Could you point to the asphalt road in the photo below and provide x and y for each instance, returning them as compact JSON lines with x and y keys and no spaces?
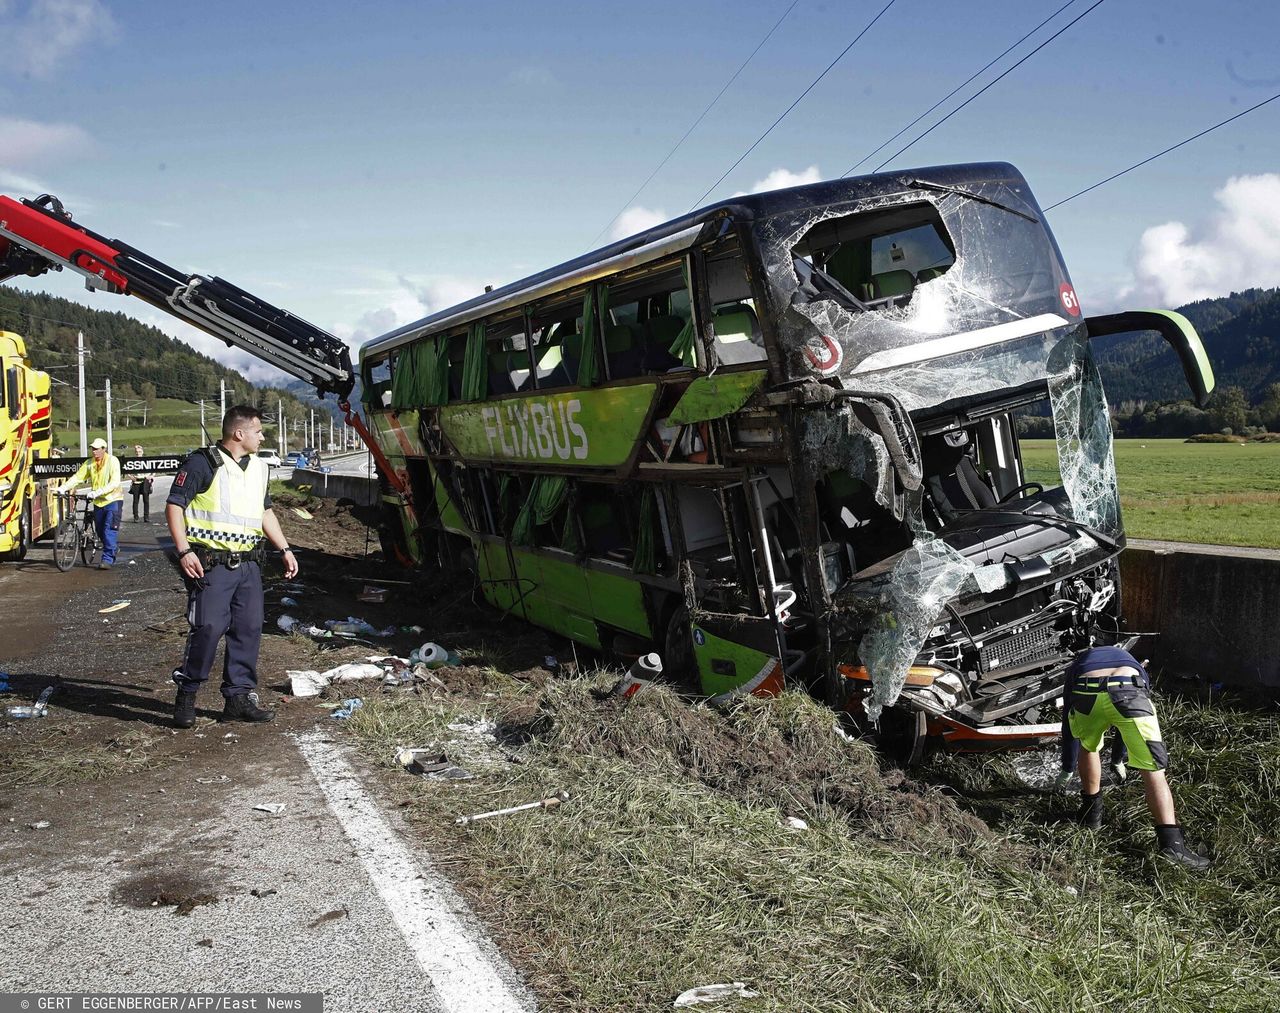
{"x":164,"y":877}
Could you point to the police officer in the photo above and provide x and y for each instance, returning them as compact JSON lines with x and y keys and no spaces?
{"x":218,"y":513}
{"x":1108,"y":688}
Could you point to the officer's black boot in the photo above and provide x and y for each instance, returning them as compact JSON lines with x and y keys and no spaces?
{"x":184,"y":709}
{"x":1090,"y":815}
{"x":241,"y":708}
{"x":1173,"y":847}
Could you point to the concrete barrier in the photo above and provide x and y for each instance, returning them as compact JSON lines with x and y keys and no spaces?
{"x":334,"y":486}
{"x":1215,"y":609}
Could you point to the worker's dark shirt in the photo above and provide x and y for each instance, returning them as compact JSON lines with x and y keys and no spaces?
{"x":1099,"y":659}
{"x":196,"y":475}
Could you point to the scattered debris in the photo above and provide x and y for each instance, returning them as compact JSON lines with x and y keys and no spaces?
{"x":644,"y":669}
{"x":355,"y":626}
{"x":309,"y":683}
{"x":200,"y":942}
{"x":550,"y":662}
{"x":4,"y":682}
{"x":372,"y":595}
{"x":274,"y":808}
{"x":36,"y":710}
{"x":714,"y":993}
{"x":116,"y":606}
{"x":348,"y":708}
{"x":263,"y":893}
{"x":304,"y":514}
{"x":220,"y":779}
{"x":40,"y":825}
{"x":433,"y":656}
{"x":547,"y":803}
{"x":795,"y":823}
{"x":329,"y":916}
{"x":427,"y":763}
{"x":288,"y":602}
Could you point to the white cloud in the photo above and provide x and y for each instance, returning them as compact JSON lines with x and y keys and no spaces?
{"x":24,"y":142}
{"x":1238,"y":247}
{"x":781,"y":178}
{"x":44,"y":35}
{"x":636,"y":219}
{"x":402,"y":300}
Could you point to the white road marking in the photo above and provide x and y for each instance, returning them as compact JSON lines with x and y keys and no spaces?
{"x":463,"y":969}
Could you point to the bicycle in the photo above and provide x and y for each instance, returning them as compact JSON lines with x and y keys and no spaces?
{"x":76,"y":535}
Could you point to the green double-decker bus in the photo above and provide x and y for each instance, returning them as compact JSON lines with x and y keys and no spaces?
{"x":776,"y":440}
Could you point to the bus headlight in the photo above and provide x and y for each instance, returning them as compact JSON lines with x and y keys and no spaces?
{"x":917,"y":675}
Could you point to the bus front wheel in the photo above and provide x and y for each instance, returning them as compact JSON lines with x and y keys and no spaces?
{"x":679,"y":663}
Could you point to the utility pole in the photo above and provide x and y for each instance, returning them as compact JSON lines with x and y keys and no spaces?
{"x":313,"y":430}
{"x":204,"y":433}
{"x":84,"y":435}
{"x":222,"y":396}
{"x":281,"y":439}
{"x":331,"y":447}
{"x":107,"y":381}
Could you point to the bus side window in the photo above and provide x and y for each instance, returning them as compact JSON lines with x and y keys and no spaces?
{"x":645,"y":323}
{"x":508,"y":357}
{"x":738,"y":337}
{"x":557,"y":345}
{"x":457,"y":356}
{"x":607,"y":527}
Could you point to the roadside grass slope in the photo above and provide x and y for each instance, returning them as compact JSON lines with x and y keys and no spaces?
{"x":962,"y":890}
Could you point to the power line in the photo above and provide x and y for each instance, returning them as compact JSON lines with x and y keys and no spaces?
{"x":957,"y":88}
{"x":700,"y":118}
{"x":1166,"y":151}
{"x":796,"y":103}
{"x":994,"y":81}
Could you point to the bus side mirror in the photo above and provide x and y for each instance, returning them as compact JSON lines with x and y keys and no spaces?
{"x":1175,"y":329}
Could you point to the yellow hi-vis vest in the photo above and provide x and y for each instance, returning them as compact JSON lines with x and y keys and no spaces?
{"x":228,"y":515}
{"x":104,"y":479}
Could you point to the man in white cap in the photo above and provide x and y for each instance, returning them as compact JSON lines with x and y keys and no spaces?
{"x":102,"y":474}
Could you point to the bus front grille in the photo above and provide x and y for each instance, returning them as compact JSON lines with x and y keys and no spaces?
{"x":1040,"y":642}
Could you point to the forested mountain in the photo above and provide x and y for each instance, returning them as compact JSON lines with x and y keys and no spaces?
{"x":142,"y":362}
{"x":1241,"y":333}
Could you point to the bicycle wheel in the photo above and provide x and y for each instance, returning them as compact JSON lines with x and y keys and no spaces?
{"x":66,"y":542}
{"x":90,"y":546}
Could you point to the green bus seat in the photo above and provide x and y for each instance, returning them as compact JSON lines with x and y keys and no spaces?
{"x":893,"y":283}
{"x":738,"y":336}
{"x":657,"y":337}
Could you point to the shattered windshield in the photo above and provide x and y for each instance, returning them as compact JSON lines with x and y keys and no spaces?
{"x":946,"y":302}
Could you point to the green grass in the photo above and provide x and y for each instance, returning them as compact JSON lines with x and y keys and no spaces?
{"x":671,"y":866}
{"x":1218,"y":493}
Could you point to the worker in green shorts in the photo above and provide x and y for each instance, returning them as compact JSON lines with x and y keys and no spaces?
{"x":1108,"y":688}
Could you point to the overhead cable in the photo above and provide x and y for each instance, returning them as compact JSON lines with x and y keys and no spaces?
{"x":957,"y":88}
{"x":994,"y":81}
{"x":701,"y":117}
{"x":757,"y":141}
{"x":1166,"y":151}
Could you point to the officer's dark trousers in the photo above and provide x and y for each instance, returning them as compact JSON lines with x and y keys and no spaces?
{"x":224,"y":602}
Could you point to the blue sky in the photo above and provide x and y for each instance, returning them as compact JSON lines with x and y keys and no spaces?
{"x":363,"y":164}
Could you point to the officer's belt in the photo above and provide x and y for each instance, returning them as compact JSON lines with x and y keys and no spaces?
{"x":223,"y":557}
{"x":1087,"y":685}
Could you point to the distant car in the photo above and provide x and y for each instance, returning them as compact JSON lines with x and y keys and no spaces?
{"x":271,"y":457}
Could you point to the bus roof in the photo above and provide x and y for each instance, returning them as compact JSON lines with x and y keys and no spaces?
{"x":682,"y":233}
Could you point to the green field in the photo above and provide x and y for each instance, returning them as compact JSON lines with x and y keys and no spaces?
{"x":1218,"y":493}
{"x":173,"y":427}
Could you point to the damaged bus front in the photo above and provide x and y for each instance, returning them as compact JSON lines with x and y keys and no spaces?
{"x":946,"y":582}
{"x":776,"y":441}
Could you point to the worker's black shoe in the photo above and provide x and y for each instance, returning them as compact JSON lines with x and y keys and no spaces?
{"x":241,"y":708}
{"x":184,"y":709}
{"x":1174,"y":848}
{"x":1090,"y":815}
